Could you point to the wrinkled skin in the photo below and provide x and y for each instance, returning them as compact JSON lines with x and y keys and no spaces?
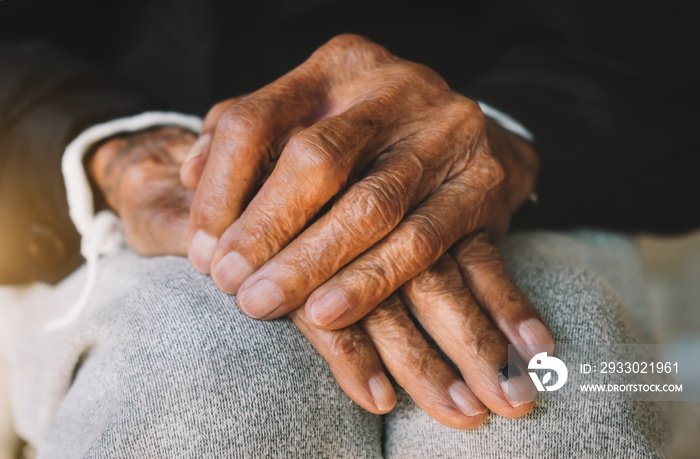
{"x":412,"y":176}
{"x":138,"y":176}
{"x":405,"y":162}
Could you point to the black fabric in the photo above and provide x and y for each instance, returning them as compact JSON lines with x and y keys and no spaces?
{"x":608,"y":88}
{"x":46,"y":99}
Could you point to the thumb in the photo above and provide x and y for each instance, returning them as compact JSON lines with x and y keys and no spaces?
{"x":193,"y":166}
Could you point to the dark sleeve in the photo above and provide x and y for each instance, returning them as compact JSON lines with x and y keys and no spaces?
{"x":609,"y":90}
{"x":47,"y":97}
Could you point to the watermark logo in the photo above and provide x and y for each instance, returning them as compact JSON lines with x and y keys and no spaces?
{"x":542,"y":362}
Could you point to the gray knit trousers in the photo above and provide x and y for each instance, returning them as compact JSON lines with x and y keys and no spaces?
{"x":164,"y":365}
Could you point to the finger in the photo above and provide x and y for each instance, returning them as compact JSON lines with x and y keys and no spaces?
{"x":250,"y":134}
{"x":354,"y":363}
{"x":244,"y":145}
{"x":488,"y":279}
{"x":362,"y":216}
{"x":193,"y":166}
{"x":419,"y":369}
{"x":443,"y":305}
{"x":313,"y":167}
{"x":417,"y":242}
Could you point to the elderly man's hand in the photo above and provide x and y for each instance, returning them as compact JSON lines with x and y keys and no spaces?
{"x":468,"y":305}
{"x":404,"y":166}
{"x":466,"y":301}
{"x":138,"y":175}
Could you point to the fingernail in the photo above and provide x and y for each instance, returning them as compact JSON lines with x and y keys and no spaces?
{"x":198,"y":147}
{"x":201,"y":251}
{"x":518,"y":389}
{"x":464,"y":400}
{"x":382,"y":392}
{"x":329,"y":307}
{"x":231,"y":271}
{"x":536,"y":337}
{"x":260,"y":300}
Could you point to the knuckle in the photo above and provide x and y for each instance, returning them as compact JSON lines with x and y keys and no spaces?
{"x":486,"y":174}
{"x":217,"y":111}
{"x":374,"y":274}
{"x":476,"y":243}
{"x":489,"y":344}
{"x":474,"y":331}
{"x":424,"y":243}
{"x":479,"y":253}
{"x":470,"y":108}
{"x":305,"y":265}
{"x":235,"y":122}
{"x":349,"y":55}
{"x":461,"y":127}
{"x":467,"y":114}
{"x":373,"y":207}
{"x":389,"y":315}
{"x":246,"y":116}
{"x":263,"y":234}
{"x":391,"y":325}
{"x":443,"y":277}
{"x":314,"y":151}
{"x":494,"y":170}
{"x":420,"y":75}
{"x":425,"y":361}
{"x":351,"y":43}
{"x":513,"y":296}
{"x":351,"y":345}
{"x":347,"y":40}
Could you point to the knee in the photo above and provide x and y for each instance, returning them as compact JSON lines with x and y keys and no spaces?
{"x":577,"y":303}
{"x":174,"y":316}
{"x":181,"y":358}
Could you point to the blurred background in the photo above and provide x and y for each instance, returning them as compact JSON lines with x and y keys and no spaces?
{"x":672,"y":269}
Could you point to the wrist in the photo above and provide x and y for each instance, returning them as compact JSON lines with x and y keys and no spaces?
{"x":519,"y":159}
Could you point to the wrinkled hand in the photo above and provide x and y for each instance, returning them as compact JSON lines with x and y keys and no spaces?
{"x":465,"y":301}
{"x":139,"y":177}
{"x":412,"y":167}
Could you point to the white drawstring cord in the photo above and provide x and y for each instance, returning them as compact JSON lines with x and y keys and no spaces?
{"x":104,"y":237}
{"x":506,"y":121}
{"x":102,"y":233}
